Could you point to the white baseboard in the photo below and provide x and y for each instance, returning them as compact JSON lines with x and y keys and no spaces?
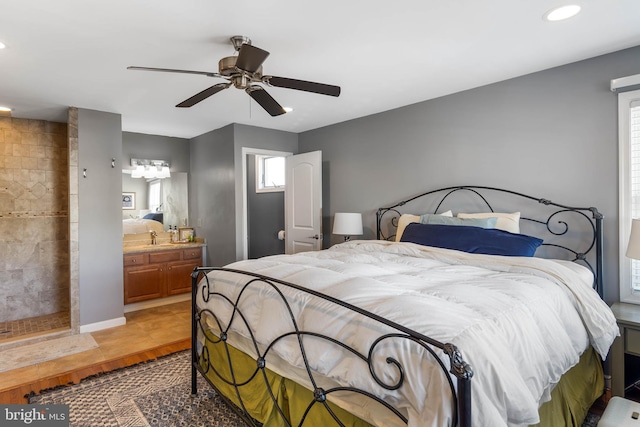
{"x":135,"y":306}
{"x":105,"y":324}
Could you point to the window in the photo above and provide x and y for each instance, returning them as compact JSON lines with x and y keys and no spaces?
{"x":155,"y":196}
{"x":270,"y":173}
{"x":629,"y":149}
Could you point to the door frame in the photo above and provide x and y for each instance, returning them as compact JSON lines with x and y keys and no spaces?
{"x":244,"y":237}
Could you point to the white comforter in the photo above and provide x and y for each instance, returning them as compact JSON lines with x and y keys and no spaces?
{"x":519,"y":322}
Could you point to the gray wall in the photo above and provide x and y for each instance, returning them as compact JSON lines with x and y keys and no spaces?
{"x":99,"y":223}
{"x":212,"y":193}
{"x":550,"y":134}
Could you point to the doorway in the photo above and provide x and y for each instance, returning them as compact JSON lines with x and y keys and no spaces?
{"x":262,"y":221}
{"x":265,"y":213}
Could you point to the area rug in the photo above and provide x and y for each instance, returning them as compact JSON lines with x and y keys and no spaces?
{"x":156,"y":393}
{"x":31,"y":354}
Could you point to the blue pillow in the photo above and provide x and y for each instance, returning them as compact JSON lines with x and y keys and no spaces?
{"x":471,"y":239}
{"x":451,"y":220}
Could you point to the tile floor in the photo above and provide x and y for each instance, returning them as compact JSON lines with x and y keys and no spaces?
{"x":147,"y":334}
{"x":15,"y":329}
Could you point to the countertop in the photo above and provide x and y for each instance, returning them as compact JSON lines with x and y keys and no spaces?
{"x":160,"y":247}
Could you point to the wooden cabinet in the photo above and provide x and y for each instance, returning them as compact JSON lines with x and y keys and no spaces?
{"x":158,"y":274}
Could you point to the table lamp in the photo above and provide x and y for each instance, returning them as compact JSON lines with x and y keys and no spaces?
{"x":349,"y":224}
{"x":633,"y":249}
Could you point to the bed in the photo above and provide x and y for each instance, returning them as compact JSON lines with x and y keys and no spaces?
{"x":445,"y":320}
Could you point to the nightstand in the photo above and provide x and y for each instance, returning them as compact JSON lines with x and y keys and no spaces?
{"x":625,"y":352}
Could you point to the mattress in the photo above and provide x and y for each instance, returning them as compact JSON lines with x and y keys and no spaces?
{"x":521,"y":323}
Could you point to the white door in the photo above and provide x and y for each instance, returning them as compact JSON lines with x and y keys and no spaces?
{"x":303,"y":203}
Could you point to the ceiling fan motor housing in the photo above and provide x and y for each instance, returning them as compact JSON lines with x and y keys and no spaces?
{"x":227,"y":67}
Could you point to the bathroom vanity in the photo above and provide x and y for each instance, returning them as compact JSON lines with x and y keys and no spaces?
{"x":158,"y":271}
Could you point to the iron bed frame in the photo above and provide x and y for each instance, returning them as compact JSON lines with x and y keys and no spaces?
{"x":460,"y":370}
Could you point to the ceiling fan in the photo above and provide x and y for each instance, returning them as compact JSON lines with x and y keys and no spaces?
{"x":244,"y":72}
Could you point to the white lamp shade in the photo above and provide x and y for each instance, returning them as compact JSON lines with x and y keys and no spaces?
{"x":137,"y":172}
{"x":348,"y":224}
{"x":150,"y":172}
{"x":633,"y":249}
{"x":164,"y":172}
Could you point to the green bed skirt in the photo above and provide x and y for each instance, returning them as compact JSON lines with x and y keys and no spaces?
{"x":570,"y":399}
{"x":575,"y":393}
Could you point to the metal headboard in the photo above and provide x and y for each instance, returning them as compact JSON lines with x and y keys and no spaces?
{"x":593,"y":241}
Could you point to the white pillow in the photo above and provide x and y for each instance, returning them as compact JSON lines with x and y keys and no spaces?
{"x":406,"y":219}
{"x":506,"y":221}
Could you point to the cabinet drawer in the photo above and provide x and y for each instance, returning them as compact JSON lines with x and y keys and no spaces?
{"x":193,"y":253}
{"x":164,"y":256}
{"x":136,"y":259}
{"x":632,"y":341}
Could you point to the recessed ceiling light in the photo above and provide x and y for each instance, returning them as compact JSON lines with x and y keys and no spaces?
{"x":287,"y":109}
{"x":2,"y":45}
{"x":562,"y":12}
{"x":5,"y":108}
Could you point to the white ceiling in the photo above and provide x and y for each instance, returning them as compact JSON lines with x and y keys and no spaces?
{"x":383,"y":54}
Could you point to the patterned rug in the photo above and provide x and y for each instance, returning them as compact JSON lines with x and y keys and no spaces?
{"x":157,"y":393}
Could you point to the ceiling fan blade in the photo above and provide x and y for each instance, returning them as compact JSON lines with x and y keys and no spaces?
{"x":265,"y":100}
{"x":304,"y":85}
{"x":171,"y":70}
{"x":250,"y":58}
{"x":203,"y":95}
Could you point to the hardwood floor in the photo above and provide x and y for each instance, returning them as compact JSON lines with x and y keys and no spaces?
{"x":147,"y":335}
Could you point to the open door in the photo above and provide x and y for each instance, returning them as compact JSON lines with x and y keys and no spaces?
{"x":303,"y":203}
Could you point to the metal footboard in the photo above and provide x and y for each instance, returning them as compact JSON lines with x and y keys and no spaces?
{"x":459,"y":383}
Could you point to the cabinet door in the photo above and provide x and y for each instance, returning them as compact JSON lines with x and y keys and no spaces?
{"x":179,"y":276}
{"x":143,"y":282}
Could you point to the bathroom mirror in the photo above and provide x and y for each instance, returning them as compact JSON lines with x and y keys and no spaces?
{"x":168,"y":196}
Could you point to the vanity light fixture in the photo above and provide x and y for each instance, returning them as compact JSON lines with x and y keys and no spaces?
{"x":150,"y":169}
{"x":563,"y":12}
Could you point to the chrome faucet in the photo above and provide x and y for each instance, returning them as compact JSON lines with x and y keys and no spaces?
{"x":154,"y":234}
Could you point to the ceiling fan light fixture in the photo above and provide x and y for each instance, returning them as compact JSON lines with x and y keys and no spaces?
{"x":561,"y":13}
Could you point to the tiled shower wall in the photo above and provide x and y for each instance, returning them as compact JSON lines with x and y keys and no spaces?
{"x":34,"y":218}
